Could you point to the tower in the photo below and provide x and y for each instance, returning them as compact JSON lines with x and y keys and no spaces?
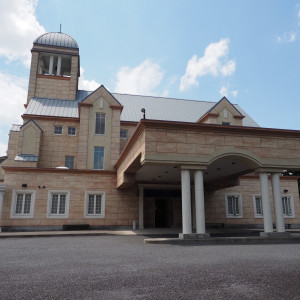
{"x":54,"y":68}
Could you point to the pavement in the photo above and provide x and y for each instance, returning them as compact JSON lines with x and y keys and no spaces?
{"x":116,"y":267}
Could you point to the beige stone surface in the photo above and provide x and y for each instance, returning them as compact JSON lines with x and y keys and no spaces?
{"x":120,"y":208}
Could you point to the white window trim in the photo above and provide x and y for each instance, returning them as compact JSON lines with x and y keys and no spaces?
{"x":254,"y":205}
{"x":71,"y":134}
{"x":292,"y":206}
{"x":62,"y":129}
{"x":13,"y":214}
{"x":58,"y":216}
{"x":99,"y":216}
{"x":228,"y":216}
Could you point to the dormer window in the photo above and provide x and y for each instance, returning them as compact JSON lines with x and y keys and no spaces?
{"x":54,"y":64}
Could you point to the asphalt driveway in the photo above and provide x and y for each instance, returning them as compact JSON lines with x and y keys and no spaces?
{"x":122,"y":267}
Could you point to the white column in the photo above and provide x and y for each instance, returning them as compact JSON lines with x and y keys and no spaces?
{"x":186,"y":202}
{"x":141,"y":207}
{"x":1,"y":201}
{"x":58,"y":66}
{"x":199,"y":202}
{"x":51,"y":64}
{"x":267,"y":210}
{"x":278,"y":203}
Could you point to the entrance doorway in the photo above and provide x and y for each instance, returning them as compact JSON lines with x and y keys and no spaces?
{"x":164,"y":213}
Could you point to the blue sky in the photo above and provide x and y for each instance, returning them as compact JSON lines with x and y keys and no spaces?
{"x":248,"y":51}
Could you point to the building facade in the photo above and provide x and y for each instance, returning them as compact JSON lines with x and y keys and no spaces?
{"x":108,"y":160}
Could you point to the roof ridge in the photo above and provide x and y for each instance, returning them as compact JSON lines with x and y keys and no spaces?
{"x":169,"y":98}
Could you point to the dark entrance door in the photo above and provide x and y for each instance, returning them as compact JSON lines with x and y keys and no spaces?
{"x":164,"y":213}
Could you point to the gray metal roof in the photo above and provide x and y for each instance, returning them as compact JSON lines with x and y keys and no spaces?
{"x":15,"y":127}
{"x":169,"y":109}
{"x":157,"y":108}
{"x":26,"y":157}
{"x":57,"y":39}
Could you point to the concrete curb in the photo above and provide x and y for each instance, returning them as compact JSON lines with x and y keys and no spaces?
{"x":6,"y":235}
{"x":224,"y":241}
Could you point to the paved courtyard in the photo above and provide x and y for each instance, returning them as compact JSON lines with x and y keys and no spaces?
{"x":122,"y":267}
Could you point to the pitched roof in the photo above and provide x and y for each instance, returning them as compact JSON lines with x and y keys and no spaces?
{"x":26,"y":157}
{"x":157,"y":108}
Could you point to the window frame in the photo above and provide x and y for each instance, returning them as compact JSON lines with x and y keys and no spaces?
{"x":54,"y":127}
{"x":240,"y":205}
{"x":49,"y":204}
{"x":292,"y":215}
{"x":122,"y":137}
{"x":257,"y":215}
{"x":66,"y":161}
{"x":13,"y":214}
{"x":86,"y":202}
{"x":102,"y":159}
{"x":71,"y":127}
{"x":100,"y":114}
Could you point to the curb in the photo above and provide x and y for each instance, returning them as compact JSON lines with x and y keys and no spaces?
{"x":225,"y":241}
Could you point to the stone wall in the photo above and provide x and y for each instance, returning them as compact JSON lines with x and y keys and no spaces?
{"x":121,"y":207}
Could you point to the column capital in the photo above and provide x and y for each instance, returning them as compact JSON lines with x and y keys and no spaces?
{"x":193,"y":167}
{"x":268,"y":170}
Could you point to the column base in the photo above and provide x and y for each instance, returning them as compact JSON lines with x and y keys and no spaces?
{"x":274,"y":234}
{"x":193,"y":236}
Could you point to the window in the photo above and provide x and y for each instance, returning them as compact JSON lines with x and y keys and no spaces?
{"x":58,"y":130}
{"x":58,"y":204}
{"x":258,"y":208}
{"x":226,"y":123}
{"x":94,"y":204}
{"x":69,"y":162}
{"x":22,"y":204}
{"x":101,"y":103}
{"x":233,"y":206}
{"x":71,"y":131}
{"x":100,"y":123}
{"x":53,"y":64}
{"x":98,"y":158}
{"x":288,"y":206}
{"x":123,"y":134}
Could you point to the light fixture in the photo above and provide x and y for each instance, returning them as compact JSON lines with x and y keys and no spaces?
{"x":144,"y":113}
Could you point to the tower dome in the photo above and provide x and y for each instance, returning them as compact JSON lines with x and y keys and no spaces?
{"x":56,"y":39}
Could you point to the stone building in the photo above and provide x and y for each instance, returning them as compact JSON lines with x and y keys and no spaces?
{"x":107,"y":159}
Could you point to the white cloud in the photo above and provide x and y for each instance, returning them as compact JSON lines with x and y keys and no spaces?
{"x":3,"y":148}
{"x":142,"y":79}
{"x":234,"y":93}
{"x":19,"y":29}
{"x":213,"y":62}
{"x":225,"y":92}
{"x":287,"y":37}
{"x":85,"y":84}
{"x":13,"y":96}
